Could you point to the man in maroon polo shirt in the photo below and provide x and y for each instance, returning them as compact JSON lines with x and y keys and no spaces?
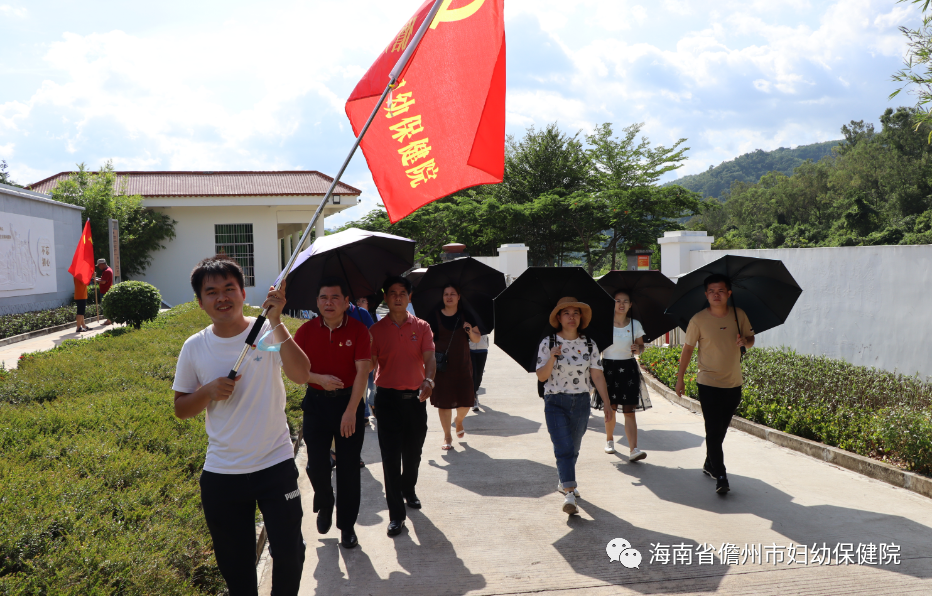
{"x":403,"y":351}
{"x":338,"y":347}
{"x":105,"y":281}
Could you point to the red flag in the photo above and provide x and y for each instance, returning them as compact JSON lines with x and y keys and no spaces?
{"x":82,"y":264}
{"x":443,"y":128}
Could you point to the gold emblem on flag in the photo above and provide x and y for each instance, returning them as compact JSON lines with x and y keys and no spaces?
{"x":449,"y":15}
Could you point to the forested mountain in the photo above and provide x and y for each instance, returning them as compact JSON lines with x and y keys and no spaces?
{"x":876,"y":188}
{"x":751,"y":166}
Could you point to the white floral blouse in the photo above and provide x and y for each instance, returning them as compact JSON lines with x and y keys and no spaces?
{"x":571,"y":370}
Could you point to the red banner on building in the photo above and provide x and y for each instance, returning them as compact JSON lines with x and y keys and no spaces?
{"x":443,"y":127}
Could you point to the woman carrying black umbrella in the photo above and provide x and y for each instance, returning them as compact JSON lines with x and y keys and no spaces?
{"x":623,"y":377}
{"x":453,"y":330}
{"x":568,"y":364}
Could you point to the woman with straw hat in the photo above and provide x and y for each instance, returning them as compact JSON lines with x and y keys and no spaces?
{"x":569,"y":364}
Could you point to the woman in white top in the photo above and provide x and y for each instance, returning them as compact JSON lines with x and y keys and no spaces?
{"x":623,"y":377}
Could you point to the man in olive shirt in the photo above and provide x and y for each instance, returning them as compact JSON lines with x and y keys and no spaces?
{"x":720,"y":331}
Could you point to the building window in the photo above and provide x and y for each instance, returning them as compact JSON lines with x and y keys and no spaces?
{"x":235,"y":240}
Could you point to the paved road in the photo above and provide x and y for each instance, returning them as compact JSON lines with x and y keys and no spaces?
{"x":492,"y":524}
{"x":9,"y":355}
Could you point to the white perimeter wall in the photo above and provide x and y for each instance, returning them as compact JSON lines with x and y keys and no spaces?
{"x":171,"y":267}
{"x":867,"y":305}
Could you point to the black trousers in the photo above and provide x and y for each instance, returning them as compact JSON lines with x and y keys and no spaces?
{"x":718,"y":407}
{"x":478,"y":367}
{"x":402,"y":429}
{"x":322,"y":417}
{"x":229,"y":502}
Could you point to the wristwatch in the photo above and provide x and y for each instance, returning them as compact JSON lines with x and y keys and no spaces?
{"x":431,"y":381}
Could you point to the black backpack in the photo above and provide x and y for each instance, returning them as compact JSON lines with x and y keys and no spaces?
{"x":553,"y":340}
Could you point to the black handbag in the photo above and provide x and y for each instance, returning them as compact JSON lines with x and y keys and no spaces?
{"x":441,"y":357}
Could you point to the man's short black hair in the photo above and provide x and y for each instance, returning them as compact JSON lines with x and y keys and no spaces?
{"x":332,"y":282}
{"x":397,"y":279}
{"x":717,"y":278}
{"x":216,"y":266}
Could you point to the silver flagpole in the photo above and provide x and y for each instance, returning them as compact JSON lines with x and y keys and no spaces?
{"x":393,"y":79}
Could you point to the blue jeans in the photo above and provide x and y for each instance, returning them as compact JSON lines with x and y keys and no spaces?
{"x":567,"y":415}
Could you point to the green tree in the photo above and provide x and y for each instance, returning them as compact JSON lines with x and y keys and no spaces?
{"x":875,"y":189}
{"x":624,"y":179}
{"x":5,"y":176}
{"x":916,"y":76}
{"x":103,"y":196}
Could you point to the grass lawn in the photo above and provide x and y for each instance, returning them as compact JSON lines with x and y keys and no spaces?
{"x":98,"y":479}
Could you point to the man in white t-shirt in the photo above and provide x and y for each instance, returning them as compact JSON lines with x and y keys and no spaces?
{"x":250,"y":459}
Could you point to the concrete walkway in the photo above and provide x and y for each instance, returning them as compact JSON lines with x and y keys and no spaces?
{"x":492,"y":521}
{"x":9,"y":355}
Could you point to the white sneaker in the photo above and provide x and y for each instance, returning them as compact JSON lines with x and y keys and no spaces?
{"x":569,"y":504}
{"x":609,"y":446}
{"x":372,"y":422}
{"x":636,"y":455}
{"x":562,"y":490}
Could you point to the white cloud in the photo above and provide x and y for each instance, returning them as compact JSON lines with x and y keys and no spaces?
{"x":7,"y":10}
{"x":6,"y":151}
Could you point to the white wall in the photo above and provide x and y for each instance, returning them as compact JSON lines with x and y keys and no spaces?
{"x":171,"y":267}
{"x":511,"y":260}
{"x":867,"y":305}
{"x":59,"y":227}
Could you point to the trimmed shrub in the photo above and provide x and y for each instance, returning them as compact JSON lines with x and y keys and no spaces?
{"x":863,"y":410}
{"x":132,"y":302}
{"x":99,"y":479}
{"x":17,"y":324}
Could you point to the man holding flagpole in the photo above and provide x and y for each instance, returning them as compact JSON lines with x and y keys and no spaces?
{"x":250,"y":459}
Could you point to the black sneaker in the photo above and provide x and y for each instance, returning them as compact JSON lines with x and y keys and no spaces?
{"x":721,"y":485}
{"x":707,"y":470}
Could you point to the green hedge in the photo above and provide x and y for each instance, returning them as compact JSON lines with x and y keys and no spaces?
{"x":864,"y":410}
{"x":11,"y":325}
{"x":98,"y":479}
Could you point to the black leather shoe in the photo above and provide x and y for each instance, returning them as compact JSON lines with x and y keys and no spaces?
{"x":395,"y":527}
{"x":325,"y":519}
{"x":349,"y":539}
{"x":413,"y":502}
{"x":721,"y":486}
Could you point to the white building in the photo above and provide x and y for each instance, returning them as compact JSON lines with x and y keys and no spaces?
{"x":256,"y":217}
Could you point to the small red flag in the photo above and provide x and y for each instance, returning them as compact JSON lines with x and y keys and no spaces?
{"x":443,"y":127}
{"x":82,"y":264}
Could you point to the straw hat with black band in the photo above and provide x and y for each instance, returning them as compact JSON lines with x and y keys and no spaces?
{"x":570,"y":302}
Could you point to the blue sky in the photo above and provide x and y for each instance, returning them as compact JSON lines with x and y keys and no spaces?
{"x":209,"y":85}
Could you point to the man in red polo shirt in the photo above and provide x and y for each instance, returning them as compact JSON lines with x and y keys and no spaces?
{"x":338,"y":347}
{"x":105,"y":281}
{"x":403,"y":351}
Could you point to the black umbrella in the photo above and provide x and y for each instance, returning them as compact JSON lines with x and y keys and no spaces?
{"x":762,"y":288}
{"x":364,"y":259}
{"x":522,"y":311}
{"x":479,"y":284}
{"x":650,"y":292}
{"x":415,"y":277}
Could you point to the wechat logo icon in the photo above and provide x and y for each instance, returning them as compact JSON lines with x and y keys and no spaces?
{"x":620,"y":550}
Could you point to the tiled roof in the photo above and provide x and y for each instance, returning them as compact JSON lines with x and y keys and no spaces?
{"x":217,"y":184}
